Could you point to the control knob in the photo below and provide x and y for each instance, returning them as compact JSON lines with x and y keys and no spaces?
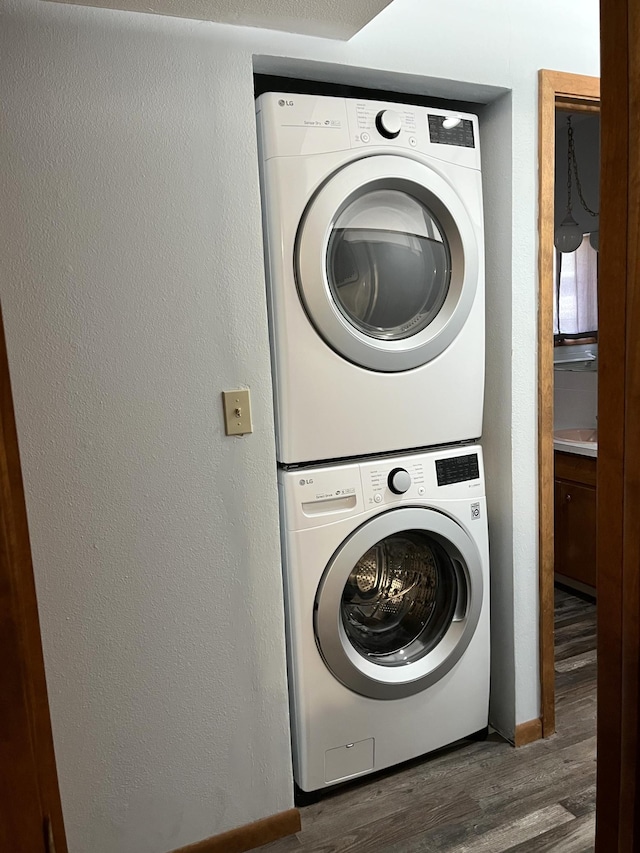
{"x":399,"y":481}
{"x":389,"y":123}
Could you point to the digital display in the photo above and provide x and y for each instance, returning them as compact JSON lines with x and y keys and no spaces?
{"x":461,"y":134}
{"x":457,"y":469}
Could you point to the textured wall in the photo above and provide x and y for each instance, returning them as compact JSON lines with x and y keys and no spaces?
{"x":133,"y":293}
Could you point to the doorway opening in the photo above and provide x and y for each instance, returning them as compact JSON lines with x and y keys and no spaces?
{"x":567,"y":480}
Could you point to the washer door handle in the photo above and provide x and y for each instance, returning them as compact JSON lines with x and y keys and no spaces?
{"x":462,"y":601}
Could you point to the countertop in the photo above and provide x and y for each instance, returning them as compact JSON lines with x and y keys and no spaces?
{"x":581,"y":448}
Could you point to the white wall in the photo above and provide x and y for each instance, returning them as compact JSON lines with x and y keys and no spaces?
{"x":496,"y":138}
{"x":575,"y":399}
{"x":133,"y":294}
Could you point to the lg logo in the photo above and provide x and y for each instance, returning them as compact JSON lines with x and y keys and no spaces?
{"x":306,"y":482}
{"x":284,"y":103}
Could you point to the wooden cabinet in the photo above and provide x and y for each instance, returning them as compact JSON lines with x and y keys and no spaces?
{"x":575,"y":518}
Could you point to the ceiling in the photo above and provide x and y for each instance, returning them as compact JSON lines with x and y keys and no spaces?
{"x":325,"y":18}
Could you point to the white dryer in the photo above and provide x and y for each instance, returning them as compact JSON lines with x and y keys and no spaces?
{"x":386,"y":569}
{"x":374,"y":247}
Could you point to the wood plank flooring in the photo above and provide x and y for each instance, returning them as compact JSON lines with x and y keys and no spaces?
{"x":481,"y":797}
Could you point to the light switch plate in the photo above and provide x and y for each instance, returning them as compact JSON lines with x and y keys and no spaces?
{"x":237,"y":412}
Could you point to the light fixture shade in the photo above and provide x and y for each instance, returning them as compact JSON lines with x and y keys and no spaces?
{"x":594,"y":239}
{"x":568,"y":236}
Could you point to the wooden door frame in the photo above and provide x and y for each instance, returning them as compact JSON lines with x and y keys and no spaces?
{"x":30,"y":808}
{"x":618,"y":546}
{"x":578,"y":93}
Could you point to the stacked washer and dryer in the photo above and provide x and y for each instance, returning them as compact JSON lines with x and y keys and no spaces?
{"x":375,"y":268}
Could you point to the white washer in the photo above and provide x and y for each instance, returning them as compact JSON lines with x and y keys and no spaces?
{"x":374,"y":247}
{"x":386,"y":567}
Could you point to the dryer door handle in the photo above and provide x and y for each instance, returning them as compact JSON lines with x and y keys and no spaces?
{"x":462,"y":599}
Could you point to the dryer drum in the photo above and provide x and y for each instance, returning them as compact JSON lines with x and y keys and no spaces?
{"x":389,"y":264}
{"x":399,"y":599}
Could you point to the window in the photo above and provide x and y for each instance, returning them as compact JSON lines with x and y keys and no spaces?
{"x":575,"y":308}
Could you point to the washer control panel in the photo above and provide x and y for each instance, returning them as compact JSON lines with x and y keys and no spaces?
{"x":314,"y":497}
{"x":450,"y":473}
{"x":391,"y":480}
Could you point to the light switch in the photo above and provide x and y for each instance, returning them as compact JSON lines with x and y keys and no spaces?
{"x":237,"y":412}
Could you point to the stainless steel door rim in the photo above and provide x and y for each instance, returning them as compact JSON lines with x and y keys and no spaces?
{"x":422,"y":184}
{"x":363,"y":675}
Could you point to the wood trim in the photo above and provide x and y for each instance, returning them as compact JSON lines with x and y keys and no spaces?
{"x":24,"y":706}
{"x":528,"y":732}
{"x":546,"y":177}
{"x":628,"y":810}
{"x":249,"y":836}
{"x":572,"y":91}
{"x":572,"y":87}
{"x":577,"y":105}
{"x":618,"y":543}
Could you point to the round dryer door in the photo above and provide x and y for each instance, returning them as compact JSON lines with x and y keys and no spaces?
{"x":387,"y":263}
{"x":399,"y":602}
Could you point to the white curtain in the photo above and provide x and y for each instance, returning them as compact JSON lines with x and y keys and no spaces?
{"x":575,"y":308}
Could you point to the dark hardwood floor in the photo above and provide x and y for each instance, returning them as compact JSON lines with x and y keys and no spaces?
{"x":482,"y":797}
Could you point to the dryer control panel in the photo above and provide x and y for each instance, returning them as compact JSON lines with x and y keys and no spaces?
{"x":293,"y":125}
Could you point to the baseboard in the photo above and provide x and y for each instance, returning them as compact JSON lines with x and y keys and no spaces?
{"x":249,"y":836}
{"x":528,"y":732}
{"x":583,"y":590}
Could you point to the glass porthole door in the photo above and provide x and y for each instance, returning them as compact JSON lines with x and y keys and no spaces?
{"x":387,"y":263}
{"x":399,"y":603}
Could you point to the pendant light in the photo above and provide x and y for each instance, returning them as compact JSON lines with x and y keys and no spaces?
{"x":568,"y":235}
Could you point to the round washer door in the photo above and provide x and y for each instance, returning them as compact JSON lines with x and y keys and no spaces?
{"x":399,"y":602}
{"x":387,"y":263}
